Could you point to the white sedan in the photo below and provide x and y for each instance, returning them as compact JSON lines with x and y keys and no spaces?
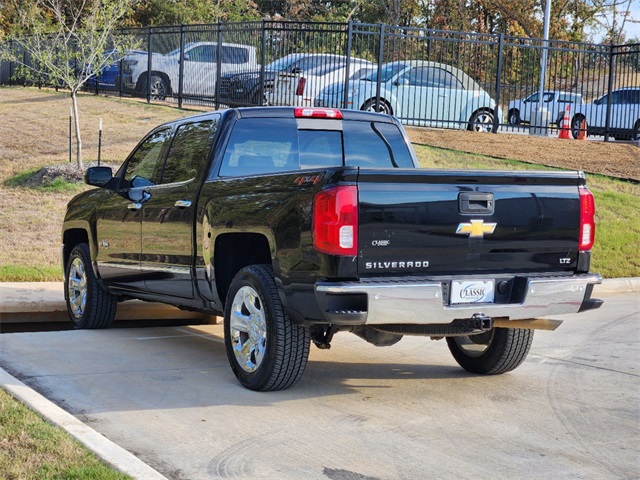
{"x":300,"y":88}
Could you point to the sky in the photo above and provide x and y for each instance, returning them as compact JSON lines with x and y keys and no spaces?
{"x":632,"y":30}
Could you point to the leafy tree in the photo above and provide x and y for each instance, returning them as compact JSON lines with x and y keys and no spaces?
{"x":65,"y":42}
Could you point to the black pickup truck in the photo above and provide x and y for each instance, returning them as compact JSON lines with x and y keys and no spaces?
{"x":297,"y":223}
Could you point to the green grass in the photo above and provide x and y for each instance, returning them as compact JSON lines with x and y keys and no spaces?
{"x":615,"y":253}
{"x":31,"y":448}
{"x":17,"y":273}
{"x":57,"y":185}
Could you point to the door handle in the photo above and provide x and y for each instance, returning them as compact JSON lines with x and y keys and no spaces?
{"x":183,"y":203}
{"x":134,"y":206}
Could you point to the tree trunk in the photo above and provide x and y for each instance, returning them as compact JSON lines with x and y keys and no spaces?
{"x":74,"y":100}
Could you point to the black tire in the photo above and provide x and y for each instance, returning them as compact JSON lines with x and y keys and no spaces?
{"x":281,"y":347}
{"x":481,"y":121}
{"x":159,"y":86}
{"x":576,"y":125}
{"x":497,"y":351}
{"x":635,"y":134}
{"x":88,"y":304}
{"x":514,"y":117}
{"x":383,"y":106}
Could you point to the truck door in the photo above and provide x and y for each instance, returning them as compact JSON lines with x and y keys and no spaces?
{"x":168,"y":214}
{"x":118,"y":218}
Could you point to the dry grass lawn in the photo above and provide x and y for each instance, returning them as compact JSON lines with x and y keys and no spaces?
{"x":614,"y":159}
{"x":34,"y":128}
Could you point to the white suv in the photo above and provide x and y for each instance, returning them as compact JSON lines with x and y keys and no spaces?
{"x":199,"y":69}
{"x":520,"y":111}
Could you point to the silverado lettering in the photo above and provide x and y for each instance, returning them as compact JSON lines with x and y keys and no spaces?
{"x":274,"y":217}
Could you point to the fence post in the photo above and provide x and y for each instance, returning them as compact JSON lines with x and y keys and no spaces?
{"x":345,"y":99}
{"x":607,"y":123}
{"x":181,"y":67}
{"x":119,"y":77}
{"x":496,"y":120}
{"x":149,"y":65}
{"x":380,"y":58}
{"x":263,"y":60}
{"x":11,"y":64}
{"x":218,"y":61}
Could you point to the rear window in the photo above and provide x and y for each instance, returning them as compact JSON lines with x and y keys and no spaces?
{"x":257,"y":147}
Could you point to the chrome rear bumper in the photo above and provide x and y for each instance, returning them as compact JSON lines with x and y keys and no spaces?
{"x":398,"y":301}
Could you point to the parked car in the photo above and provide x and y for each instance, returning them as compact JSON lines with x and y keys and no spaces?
{"x":418,"y":93}
{"x":300,"y":223}
{"x":624,"y":119}
{"x":300,"y":87}
{"x":521,"y":111}
{"x":199,"y":69}
{"x":244,"y":88}
{"x":109,"y":77}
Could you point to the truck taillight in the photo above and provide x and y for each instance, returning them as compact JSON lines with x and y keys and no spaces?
{"x":335,"y":221}
{"x":301,"y":83}
{"x":587,"y":220}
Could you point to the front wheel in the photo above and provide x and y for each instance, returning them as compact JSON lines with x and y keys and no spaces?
{"x":481,"y":121}
{"x":497,"y":351}
{"x":266,"y":350}
{"x":383,"y":106}
{"x":88,"y":304}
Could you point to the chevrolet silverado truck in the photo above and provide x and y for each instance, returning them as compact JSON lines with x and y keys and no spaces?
{"x":298,"y":223}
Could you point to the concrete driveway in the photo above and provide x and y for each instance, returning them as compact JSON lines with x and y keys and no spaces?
{"x":572,"y":410}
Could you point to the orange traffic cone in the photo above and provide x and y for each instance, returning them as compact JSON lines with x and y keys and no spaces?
{"x":565,"y":128}
{"x":582,"y":133}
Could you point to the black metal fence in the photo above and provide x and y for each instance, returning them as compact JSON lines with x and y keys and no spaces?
{"x":425,"y":77}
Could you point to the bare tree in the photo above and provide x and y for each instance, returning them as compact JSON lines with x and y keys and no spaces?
{"x":65,"y":42}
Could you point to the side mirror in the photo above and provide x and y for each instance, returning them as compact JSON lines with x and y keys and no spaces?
{"x":186,"y":57}
{"x":402,"y":82}
{"x":98,"y":176}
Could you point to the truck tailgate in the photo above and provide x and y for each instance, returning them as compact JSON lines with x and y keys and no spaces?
{"x":426,"y":222}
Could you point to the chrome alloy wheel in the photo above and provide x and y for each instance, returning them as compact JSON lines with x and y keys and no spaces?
{"x":483,"y":122}
{"x":248,"y":328}
{"x":475,"y":345}
{"x":77,"y":287}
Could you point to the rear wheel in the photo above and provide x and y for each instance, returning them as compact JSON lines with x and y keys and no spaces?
{"x":266,"y":350}
{"x":577,"y":125}
{"x":481,"y":121}
{"x":497,"y":351}
{"x":88,"y":304}
{"x":383,"y":106}
{"x":514,"y":117}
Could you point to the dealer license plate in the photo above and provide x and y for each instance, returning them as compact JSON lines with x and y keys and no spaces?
{"x":472,"y":291}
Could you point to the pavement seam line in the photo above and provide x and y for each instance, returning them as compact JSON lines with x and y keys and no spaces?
{"x":110,"y":453}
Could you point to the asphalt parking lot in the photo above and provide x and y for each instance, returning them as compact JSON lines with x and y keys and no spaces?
{"x":572,"y":410}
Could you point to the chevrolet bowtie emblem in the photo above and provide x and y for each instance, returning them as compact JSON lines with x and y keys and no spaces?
{"x":476,"y":229}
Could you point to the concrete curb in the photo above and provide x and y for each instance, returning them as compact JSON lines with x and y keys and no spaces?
{"x":618,"y":285}
{"x":113,"y":455}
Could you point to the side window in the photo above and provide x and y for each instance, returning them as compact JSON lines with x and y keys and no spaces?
{"x":188,"y":152}
{"x":533,"y":98}
{"x":256,"y":147}
{"x":440,"y":78}
{"x":234,"y":55}
{"x":416,"y":77}
{"x":616,"y":98}
{"x":144,"y":165}
{"x":547,"y":97}
{"x":203,"y":53}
